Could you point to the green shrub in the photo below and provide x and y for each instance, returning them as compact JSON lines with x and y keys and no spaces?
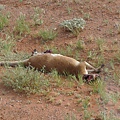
{"x":74,"y":25}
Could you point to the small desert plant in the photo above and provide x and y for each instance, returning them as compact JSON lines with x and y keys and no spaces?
{"x":37,"y":20}
{"x":118,"y":56}
{"x":100,"y":42}
{"x":69,"y":9}
{"x":86,"y":102}
{"x":47,"y":35}
{"x":99,"y":87}
{"x":92,"y":54}
{"x":6,"y":50}
{"x":66,"y":51}
{"x":7,"y":44}
{"x":25,"y":80}
{"x":80,"y":44}
{"x":56,"y":78}
{"x":86,"y":16}
{"x":87,"y":115}
{"x":21,"y":26}
{"x":117,"y":77}
{"x":115,"y":97}
{"x":74,"y":25}
{"x":80,"y":78}
{"x":3,"y":21}
{"x":100,"y":59}
{"x":109,"y":116}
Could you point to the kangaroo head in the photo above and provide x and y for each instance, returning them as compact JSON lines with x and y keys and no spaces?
{"x":35,"y":52}
{"x":90,"y":77}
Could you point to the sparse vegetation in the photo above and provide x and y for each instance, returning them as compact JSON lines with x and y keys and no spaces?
{"x":36,"y":16}
{"x":3,"y":20}
{"x":25,"y":80}
{"x":80,"y":82}
{"x":21,"y":27}
{"x":69,"y":10}
{"x":6,"y":50}
{"x":110,"y":116}
{"x":115,"y":97}
{"x":100,"y":42}
{"x":100,"y":60}
{"x":47,"y":35}
{"x":117,"y":55}
{"x":86,"y":16}
{"x":6,"y":45}
{"x":92,"y":54}
{"x":86,"y":102}
{"x":80,"y":44}
{"x":67,"y":50}
{"x":98,"y":86}
{"x":87,"y":115}
{"x":117,"y":77}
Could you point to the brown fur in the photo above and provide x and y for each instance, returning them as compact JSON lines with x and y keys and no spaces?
{"x":62,"y":64}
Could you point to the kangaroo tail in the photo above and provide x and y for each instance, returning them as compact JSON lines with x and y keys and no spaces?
{"x":13,"y":63}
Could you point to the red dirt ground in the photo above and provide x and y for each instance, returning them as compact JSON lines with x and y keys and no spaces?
{"x":102,"y":23}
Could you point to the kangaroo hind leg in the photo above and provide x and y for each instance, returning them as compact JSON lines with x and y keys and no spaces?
{"x":93,"y":69}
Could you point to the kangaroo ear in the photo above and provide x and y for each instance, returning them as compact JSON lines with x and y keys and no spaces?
{"x":102,"y":65}
{"x":48,"y":51}
{"x":34,"y":52}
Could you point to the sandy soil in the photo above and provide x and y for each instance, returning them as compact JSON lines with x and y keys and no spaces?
{"x":102,"y":17}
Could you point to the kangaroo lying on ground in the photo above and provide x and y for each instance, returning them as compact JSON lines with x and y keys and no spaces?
{"x":62,"y":64}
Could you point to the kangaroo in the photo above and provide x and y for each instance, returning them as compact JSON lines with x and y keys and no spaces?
{"x":61,"y":63}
